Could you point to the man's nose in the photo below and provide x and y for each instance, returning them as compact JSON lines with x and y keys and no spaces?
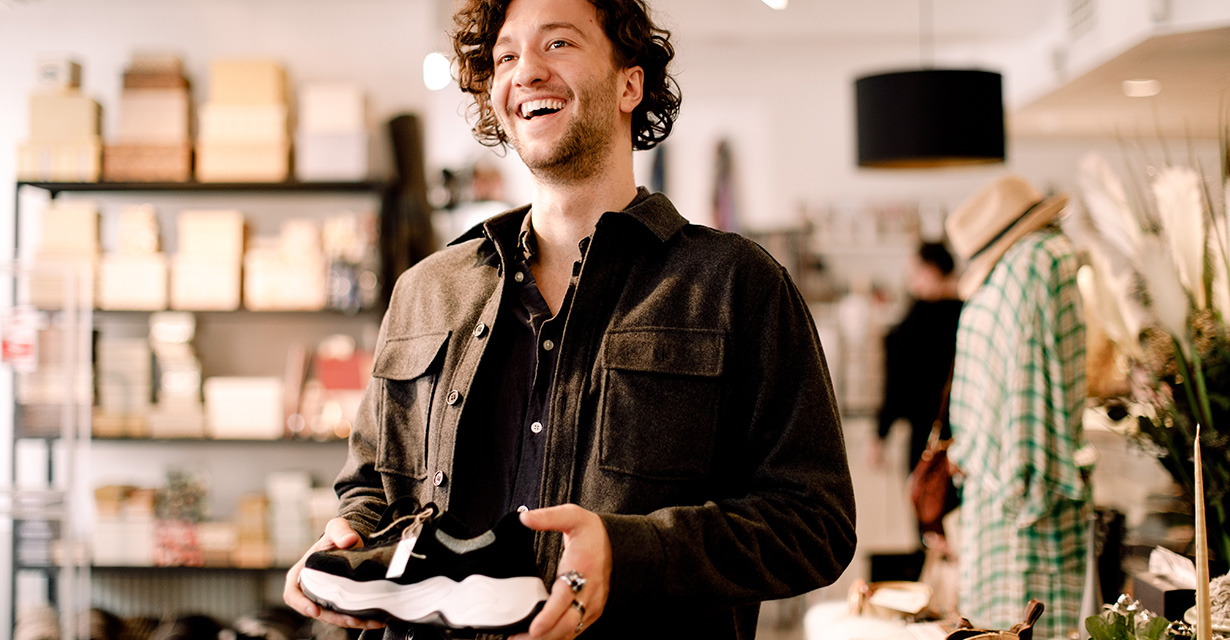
{"x":531,"y":68}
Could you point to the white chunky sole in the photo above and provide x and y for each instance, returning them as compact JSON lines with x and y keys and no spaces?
{"x":477,"y":602}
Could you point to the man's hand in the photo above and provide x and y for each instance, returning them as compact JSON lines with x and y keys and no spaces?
{"x":338,"y":535}
{"x":587,"y":550}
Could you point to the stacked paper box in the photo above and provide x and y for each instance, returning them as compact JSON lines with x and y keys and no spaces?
{"x":123,"y":533}
{"x":252,"y":532}
{"x":287,"y":272}
{"x":289,"y":520}
{"x":135,"y":277}
{"x":153,"y":140}
{"x":69,"y":243}
{"x":205,"y":272}
{"x":124,"y":373}
{"x":331,"y":142}
{"x":179,"y":412}
{"x":64,"y":143}
{"x":244,"y":128}
{"x":244,"y":407}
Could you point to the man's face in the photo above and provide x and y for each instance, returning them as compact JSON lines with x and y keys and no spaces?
{"x":556,"y":92}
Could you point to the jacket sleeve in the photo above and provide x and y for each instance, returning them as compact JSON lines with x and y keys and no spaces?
{"x":785,"y":525}
{"x":358,"y":485}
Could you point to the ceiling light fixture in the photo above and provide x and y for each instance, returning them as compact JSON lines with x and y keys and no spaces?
{"x":436,"y":72}
{"x":929,"y":117}
{"x":777,"y":4}
{"x":1141,"y":88}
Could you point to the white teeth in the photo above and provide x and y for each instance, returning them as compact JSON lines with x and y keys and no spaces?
{"x":531,"y":106}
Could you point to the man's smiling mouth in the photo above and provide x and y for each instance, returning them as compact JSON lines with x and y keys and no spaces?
{"x":532,"y":108}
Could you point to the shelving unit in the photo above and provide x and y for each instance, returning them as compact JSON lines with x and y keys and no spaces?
{"x":228,"y":343}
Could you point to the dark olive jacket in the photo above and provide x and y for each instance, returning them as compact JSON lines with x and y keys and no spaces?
{"x":692,"y":409}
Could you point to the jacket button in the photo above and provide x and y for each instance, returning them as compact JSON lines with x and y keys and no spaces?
{"x":438,"y":479}
{"x":479,"y":330}
{"x":454,"y":397}
{"x":548,"y":345}
{"x":536,"y":427}
{"x":522,"y":509}
{"x":519,"y":276}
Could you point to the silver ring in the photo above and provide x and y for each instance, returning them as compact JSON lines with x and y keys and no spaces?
{"x":574,"y":579}
{"x":580,"y":607}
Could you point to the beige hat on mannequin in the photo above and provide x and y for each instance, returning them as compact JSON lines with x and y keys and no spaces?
{"x":982,"y":228}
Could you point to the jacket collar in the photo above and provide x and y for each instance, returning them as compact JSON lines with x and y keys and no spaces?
{"x":653,"y":211}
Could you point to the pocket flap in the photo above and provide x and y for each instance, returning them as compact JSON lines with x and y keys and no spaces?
{"x":693,"y":352}
{"x":410,"y":357}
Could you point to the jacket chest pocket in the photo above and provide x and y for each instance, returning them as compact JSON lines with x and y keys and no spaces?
{"x":408,"y":368}
{"x":660,"y":391}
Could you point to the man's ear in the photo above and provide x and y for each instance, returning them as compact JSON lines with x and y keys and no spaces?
{"x":634,"y":89}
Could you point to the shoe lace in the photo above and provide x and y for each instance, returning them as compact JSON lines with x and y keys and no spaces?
{"x":415,"y":524}
{"x":412,"y":527}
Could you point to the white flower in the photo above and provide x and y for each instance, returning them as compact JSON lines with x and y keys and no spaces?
{"x":1180,"y":208}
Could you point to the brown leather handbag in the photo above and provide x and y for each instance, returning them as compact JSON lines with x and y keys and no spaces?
{"x":932,"y":490}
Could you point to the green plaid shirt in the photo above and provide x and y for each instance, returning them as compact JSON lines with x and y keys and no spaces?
{"x":1017,"y":395}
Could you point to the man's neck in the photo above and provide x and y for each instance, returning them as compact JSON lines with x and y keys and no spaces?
{"x":564,"y":213}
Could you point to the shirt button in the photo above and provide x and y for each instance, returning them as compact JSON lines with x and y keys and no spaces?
{"x":438,"y":479}
{"x":522,"y":509}
{"x":479,"y":330}
{"x":454,"y":397}
{"x":519,"y":276}
{"x":536,"y":427}
{"x":548,"y":345}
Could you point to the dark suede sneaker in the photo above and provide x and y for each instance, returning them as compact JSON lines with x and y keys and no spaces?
{"x":420,"y":571}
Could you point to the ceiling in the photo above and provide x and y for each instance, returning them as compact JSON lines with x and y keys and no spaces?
{"x":949,"y":20}
{"x":1193,"y":69}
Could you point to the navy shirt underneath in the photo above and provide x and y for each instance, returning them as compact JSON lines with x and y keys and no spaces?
{"x":498,"y":461}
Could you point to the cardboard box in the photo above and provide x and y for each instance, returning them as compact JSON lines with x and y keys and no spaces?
{"x":210,"y":233}
{"x":244,"y":407}
{"x":154,"y":116}
{"x":243,"y":124}
{"x":158,"y":80}
{"x":204,"y":284}
{"x":50,"y":285}
{"x":60,"y":161}
{"x":247,"y":82}
{"x":70,"y":230}
{"x":153,"y":62}
{"x":129,"y":282}
{"x":274,"y":281}
{"x":269,"y":162}
{"x":67,"y":116}
{"x":327,"y":157}
{"x":147,"y":163}
{"x":137,"y":229}
{"x":332,"y":108}
{"x":58,"y":73}
{"x":178,"y":421}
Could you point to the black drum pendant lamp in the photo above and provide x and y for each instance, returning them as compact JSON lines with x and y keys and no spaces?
{"x":930,"y":117}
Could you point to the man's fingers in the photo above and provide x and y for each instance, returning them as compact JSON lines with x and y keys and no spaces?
{"x":558,"y":518}
{"x":340,"y":534}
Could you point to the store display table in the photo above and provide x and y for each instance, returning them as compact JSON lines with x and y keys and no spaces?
{"x":833,"y":621}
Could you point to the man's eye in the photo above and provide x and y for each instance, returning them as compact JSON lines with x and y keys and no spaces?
{"x":504,"y":58}
{"x":557,"y":44}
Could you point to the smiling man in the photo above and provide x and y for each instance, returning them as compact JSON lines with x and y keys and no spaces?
{"x":649,"y":393}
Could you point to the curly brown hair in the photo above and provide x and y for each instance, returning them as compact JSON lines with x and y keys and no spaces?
{"x":635,"y":41}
